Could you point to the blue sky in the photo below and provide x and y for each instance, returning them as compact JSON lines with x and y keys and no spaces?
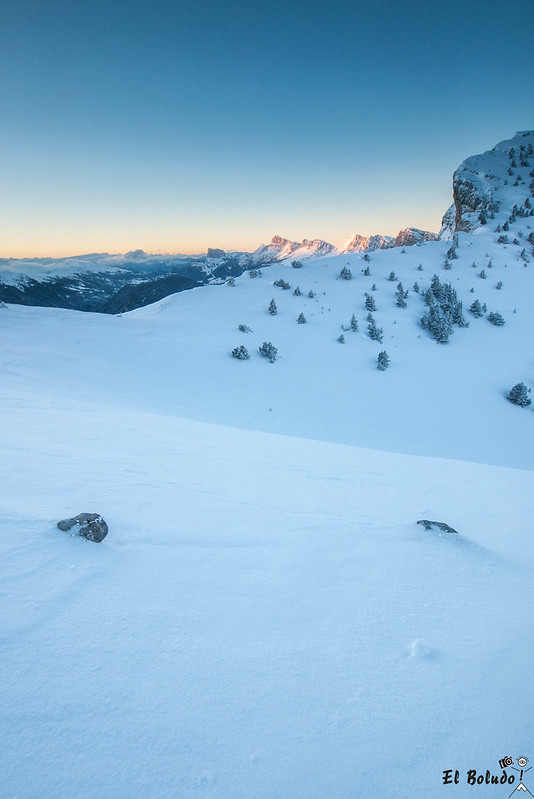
{"x":174,"y":126}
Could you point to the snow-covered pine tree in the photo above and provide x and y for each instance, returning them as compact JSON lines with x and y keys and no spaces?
{"x":370,"y":304}
{"x":241,"y":353}
{"x":400,"y":295}
{"x":518,"y":395}
{"x":476,"y":309}
{"x":375,"y":333}
{"x":382,"y":361}
{"x":495,"y":318}
{"x":272,"y":309}
{"x":269,"y":351}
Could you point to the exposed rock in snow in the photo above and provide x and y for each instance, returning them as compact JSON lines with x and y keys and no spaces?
{"x":412,"y":235}
{"x":88,"y":525}
{"x":440,"y":527}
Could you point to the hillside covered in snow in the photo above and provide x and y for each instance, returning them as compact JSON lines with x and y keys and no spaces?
{"x":266,"y":618}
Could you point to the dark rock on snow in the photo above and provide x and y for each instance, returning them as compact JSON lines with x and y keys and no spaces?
{"x":440,"y":527}
{"x":89,"y":525}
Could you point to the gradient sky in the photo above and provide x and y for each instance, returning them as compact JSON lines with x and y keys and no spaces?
{"x":174,"y":126}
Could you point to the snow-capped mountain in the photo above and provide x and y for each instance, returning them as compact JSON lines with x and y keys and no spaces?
{"x":266,"y":618}
{"x":358,"y":243}
{"x":279,"y":249}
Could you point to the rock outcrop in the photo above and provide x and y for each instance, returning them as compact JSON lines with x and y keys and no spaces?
{"x":88,"y":525}
{"x":438,"y":527}
{"x":412,"y":235}
{"x":484,"y":183}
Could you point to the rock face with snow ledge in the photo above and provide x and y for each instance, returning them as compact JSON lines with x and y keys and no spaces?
{"x":485,"y":182}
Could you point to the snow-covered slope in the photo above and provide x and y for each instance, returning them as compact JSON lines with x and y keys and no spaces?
{"x":265,"y":617}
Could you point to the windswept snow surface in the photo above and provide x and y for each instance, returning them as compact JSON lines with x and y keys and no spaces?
{"x":265,"y":618}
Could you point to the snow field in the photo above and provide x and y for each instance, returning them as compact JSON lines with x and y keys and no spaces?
{"x":264,"y":619}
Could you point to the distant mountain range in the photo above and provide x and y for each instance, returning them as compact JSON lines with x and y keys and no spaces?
{"x":115,"y":283}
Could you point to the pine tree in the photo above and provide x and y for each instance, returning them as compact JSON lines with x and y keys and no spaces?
{"x":311,"y":294}
{"x":272,"y":309}
{"x":437,"y":322}
{"x":482,"y":274}
{"x":245,"y":329}
{"x":296,"y":264}
{"x":241,"y":353}
{"x":345,"y":273}
{"x":370,"y":304}
{"x":400,"y":294}
{"x":499,"y":285}
{"x":495,"y":319}
{"x":416,"y":287}
{"x":373,"y":287}
{"x":281,"y":283}
{"x":353,"y":323}
{"x":476,"y":309}
{"x":382,"y":361}
{"x":302,"y":319}
{"x":341,"y":339}
{"x":375,"y":333}
{"x":518,"y":395}
{"x":366,"y":271}
{"x":297,"y":292}
{"x":392,"y":276}
{"x":269,"y":351}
